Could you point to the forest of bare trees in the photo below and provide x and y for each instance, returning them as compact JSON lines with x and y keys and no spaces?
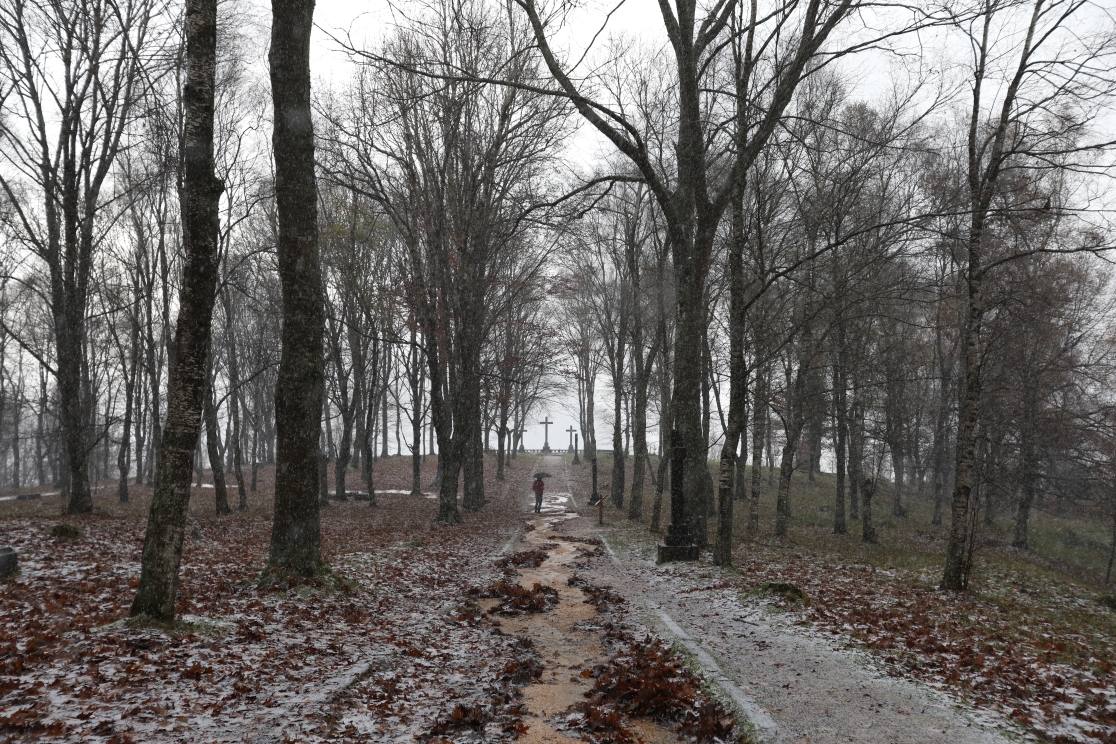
{"x":823,"y":289}
{"x":767,"y":262}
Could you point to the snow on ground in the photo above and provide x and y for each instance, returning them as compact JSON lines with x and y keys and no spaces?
{"x":810,"y":689}
{"x":875,"y":656}
{"x":389,"y":657}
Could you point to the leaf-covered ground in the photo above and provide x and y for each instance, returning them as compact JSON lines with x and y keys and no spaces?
{"x":249,"y":663}
{"x":1039,"y":652}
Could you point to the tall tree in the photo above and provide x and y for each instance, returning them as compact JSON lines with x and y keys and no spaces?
{"x":296,"y":529}
{"x":1030,"y":108}
{"x":694,"y":188}
{"x":199,"y":195}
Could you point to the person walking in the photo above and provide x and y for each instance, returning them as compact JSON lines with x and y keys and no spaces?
{"x":538,"y":487}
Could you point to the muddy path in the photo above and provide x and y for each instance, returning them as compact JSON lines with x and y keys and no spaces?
{"x":566,"y":637}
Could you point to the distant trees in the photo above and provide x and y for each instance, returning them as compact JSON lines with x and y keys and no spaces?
{"x":694,"y":180}
{"x":457,"y":169}
{"x":358,"y":249}
{"x":849,"y":262}
{"x":75,"y":77}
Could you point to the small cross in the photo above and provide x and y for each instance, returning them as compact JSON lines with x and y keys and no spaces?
{"x":571,"y":431}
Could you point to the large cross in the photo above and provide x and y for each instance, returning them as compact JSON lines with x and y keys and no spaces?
{"x":571,"y":431}
{"x":546,"y":422}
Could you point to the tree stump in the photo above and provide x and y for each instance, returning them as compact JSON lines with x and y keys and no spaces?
{"x":9,"y":562}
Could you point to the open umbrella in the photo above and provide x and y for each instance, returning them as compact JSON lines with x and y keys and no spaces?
{"x":541,"y":474}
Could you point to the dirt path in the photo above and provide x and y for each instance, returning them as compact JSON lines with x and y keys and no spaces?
{"x":564,"y":637}
{"x":795,"y":686}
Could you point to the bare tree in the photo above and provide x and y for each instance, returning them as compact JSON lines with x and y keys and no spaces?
{"x":457,"y":170}
{"x":296,"y":531}
{"x":1031,"y":107}
{"x":189,"y":379}
{"x":75,"y":73}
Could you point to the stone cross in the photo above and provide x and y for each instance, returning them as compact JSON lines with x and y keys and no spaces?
{"x":546,"y":422}
{"x":571,"y":431}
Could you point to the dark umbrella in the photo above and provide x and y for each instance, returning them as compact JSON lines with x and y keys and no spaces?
{"x":542,"y":475}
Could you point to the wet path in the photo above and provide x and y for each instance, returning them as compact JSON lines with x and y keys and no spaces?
{"x":565,"y":637}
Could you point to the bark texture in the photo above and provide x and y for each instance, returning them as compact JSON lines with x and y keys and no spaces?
{"x":200,"y":194}
{"x":296,"y":533}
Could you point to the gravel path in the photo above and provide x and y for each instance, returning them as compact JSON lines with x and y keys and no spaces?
{"x":794,"y":685}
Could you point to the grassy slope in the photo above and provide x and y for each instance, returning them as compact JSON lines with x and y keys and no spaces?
{"x":1073,"y":547}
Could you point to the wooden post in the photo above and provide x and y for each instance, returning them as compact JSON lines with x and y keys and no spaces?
{"x":594,"y":497}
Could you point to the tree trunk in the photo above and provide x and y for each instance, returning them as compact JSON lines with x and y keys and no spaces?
{"x":296,"y":530}
{"x":416,"y":419}
{"x":841,"y":427}
{"x":665,"y":419}
{"x":868,"y":491}
{"x":958,"y":563}
{"x":760,"y":416}
{"x":641,"y":368}
{"x":686,"y":409}
{"x":213,"y":445}
{"x":618,"y":463}
{"x":344,"y":452}
{"x":40,"y":429}
{"x":200,"y":197}
{"x":856,"y":452}
{"x":1029,"y":469}
{"x":69,"y":324}
{"x":898,"y":469}
{"x":467,"y":425}
{"x":384,"y":416}
{"x":236,"y":441}
{"x":940,"y":451}
{"x":131,"y":376}
{"x":255,"y":458}
{"x":738,"y":381}
{"x":794,"y":423}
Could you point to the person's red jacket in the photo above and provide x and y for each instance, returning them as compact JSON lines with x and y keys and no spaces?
{"x":538,"y":487}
